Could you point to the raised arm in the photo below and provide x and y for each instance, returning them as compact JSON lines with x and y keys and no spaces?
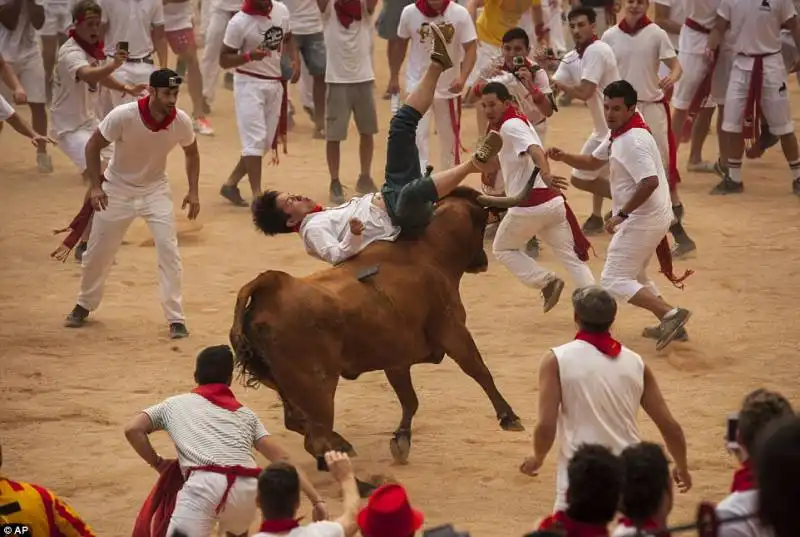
{"x":662,"y":18}
{"x":137,"y":432}
{"x":544,"y":434}
{"x":273,"y":451}
{"x":9,"y":14}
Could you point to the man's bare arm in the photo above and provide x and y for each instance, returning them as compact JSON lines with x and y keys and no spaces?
{"x":582,"y":162}
{"x":663,"y":19}
{"x":8,"y":76}
{"x":273,"y":451}
{"x":137,"y":431}
{"x":36,"y":14}
{"x":21,"y":126}
{"x":583,"y":91}
{"x":549,"y":402}
{"x":192,"y":154}
{"x":644,"y":190}
{"x":9,"y":14}
{"x":159,"y":37}
{"x":675,"y":69}
{"x":655,"y":406}
{"x":94,"y":147}
{"x":721,"y":26}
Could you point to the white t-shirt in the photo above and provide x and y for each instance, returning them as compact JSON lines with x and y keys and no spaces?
{"x":306,"y":18}
{"x":634,"y":156}
{"x":178,"y":16}
{"x":639,"y":56}
{"x":677,"y":14}
{"x":131,"y":21}
{"x":755,"y":28}
{"x":741,"y":503}
{"x":703,"y":12}
{"x":139,"y":164}
{"x":515,"y":163}
{"x":74,"y":101}
{"x":227,"y":5}
{"x":315,"y":529}
{"x":6,"y":110}
{"x":20,"y":44}
{"x":246,"y":32}
{"x":415,"y":26}
{"x":206,"y":434}
{"x":599,"y":66}
{"x":348,"y":51}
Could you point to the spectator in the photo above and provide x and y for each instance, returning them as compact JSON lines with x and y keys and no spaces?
{"x":595,"y":481}
{"x":214,"y":435}
{"x":759,"y":409}
{"x":590,"y":390}
{"x":646,"y":489}
{"x":57,"y":21}
{"x":39,"y":509}
{"x":777,"y":463}
{"x":388,"y":22}
{"x":279,"y":499}
{"x":389,"y":514}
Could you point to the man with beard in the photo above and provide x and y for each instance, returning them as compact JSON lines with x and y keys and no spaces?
{"x":135,"y":185}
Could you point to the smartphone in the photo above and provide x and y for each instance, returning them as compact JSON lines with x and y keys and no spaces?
{"x":732,"y":431}
{"x":122,"y":45}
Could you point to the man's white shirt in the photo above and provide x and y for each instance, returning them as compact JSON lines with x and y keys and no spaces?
{"x":306,"y":18}
{"x":677,"y":14}
{"x":416,"y":27}
{"x":639,"y":56}
{"x":247,"y":32}
{"x":131,"y":21}
{"x":139,"y":164}
{"x":739,"y":504}
{"x":20,"y":44}
{"x":515,"y":163}
{"x":178,"y":16}
{"x":349,"y":50}
{"x":74,"y":101}
{"x":755,"y":26}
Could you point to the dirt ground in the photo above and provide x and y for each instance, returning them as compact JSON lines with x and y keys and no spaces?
{"x":65,"y":395}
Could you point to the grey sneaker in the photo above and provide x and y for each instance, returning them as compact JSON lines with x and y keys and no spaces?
{"x":77,"y":317}
{"x":488,"y":148}
{"x":552,"y":292}
{"x":654,"y":332}
{"x":439,"y":53}
{"x":532,"y":249}
{"x":44,"y":163}
{"x":684,"y":248}
{"x":594,"y":225}
{"x":336,"y":192}
{"x":727,"y":186}
{"x":670,"y":325}
{"x":232,"y":194}
{"x":178,"y":331}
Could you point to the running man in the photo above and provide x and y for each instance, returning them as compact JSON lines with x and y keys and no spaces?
{"x":406,"y":201}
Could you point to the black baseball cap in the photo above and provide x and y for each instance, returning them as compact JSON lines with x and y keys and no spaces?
{"x":165,"y":78}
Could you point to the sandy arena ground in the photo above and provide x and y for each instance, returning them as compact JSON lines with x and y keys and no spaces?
{"x":66,"y":394}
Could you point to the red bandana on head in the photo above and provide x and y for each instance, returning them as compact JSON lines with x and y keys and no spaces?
{"x":743,"y":478}
{"x":316,"y":209}
{"x":251,"y":8}
{"x":638,"y":25}
{"x":219,"y":395}
{"x":279,"y":525}
{"x":148,"y":119}
{"x":580,"y":49}
{"x":347,"y":11}
{"x":426,"y":9}
{"x":560,"y":520}
{"x":602,"y":342}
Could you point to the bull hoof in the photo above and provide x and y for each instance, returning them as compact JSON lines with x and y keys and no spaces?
{"x":400,"y":446}
{"x":511,"y":423}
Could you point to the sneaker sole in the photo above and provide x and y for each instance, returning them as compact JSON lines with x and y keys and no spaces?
{"x":666,"y":340}
{"x":494,"y":144}
{"x":446,"y":60}
{"x":554,"y":298}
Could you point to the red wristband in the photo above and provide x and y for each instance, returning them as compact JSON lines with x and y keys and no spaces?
{"x":247,"y":57}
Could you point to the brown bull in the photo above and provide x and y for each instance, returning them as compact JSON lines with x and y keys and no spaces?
{"x":299,"y":335}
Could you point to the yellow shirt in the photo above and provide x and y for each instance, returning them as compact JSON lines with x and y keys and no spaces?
{"x":40,"y":510}
{"x":499,"y":16}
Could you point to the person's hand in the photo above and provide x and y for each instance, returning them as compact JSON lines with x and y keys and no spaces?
{"x":356,"y":226}
{"x":682,"y":478}
{"x":19,"y":95}
{"x":456,"y":86}
{"x":38,"y":140}
{"x":193,"y":202}
{"x":531,"y":465}
{"x":525,"y":75}
{"x":613,"y":222}
{"x":258,"y":54}
{"x":319,"y":512}
{"x":98,"y":198}
{"x":136,"y":89}
{"x":120,"y":57}
{"x":556,"y":182}
{"x":556,"y":154}
{"x":709,"y":54}
{"x":666,"y":83}
{"x":339,"y":464}
{"x":163,"y":465}
{"x":295,"y":72}
{"x":393,"y":87}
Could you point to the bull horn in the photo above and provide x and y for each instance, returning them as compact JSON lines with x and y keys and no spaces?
{"x":506,"y":202}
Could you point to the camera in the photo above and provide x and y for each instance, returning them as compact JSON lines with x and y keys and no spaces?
{"x":732,"y":431}
{"x":445,"y":530}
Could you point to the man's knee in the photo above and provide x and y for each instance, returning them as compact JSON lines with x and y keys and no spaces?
{"x":405,"y":120}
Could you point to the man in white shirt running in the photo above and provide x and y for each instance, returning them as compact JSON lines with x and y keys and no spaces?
{"x":135,"y":185}
{"x":590,"y":391}
{"x":641,"y":211}
{"x":214,"y":436}
{"x":19,"y":20}
{"x":279,"y":500}
{"x":545,"y":213}
{"x":351,"y":88}
{"x":57,"y":21}
{"x":758,"y":82}
{"x":406,"y":201}
{"x":222,"y":11}
{"x":462,"y":46}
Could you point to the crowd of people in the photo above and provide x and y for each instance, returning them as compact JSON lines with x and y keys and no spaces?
{"x":108,"y":105}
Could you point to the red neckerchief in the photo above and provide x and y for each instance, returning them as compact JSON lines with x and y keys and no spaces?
{"x":279,"y":525}
{"x":220,"y":395}
{"x":347,"y":11}
{"x":743,"y":478}
{"x":316,"y":209}
{"x":426,"y":9}
{"x":647,"y":525}
{"x":662,"y":250}
{"x":96,"y":51}
{"x":580,"y":49}
{"x":511,"y":112}
{"x":633,"y":30}
{"x":602,"y":342}
{"x":148,"y":119}
{"x":249,"y":7}
{"x":560,"y":520}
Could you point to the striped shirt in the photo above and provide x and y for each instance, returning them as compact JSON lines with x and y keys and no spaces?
{"x":206,"y":434}
{"x":45,"y":514}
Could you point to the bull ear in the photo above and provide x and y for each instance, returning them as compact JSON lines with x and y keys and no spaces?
{"x":506,"y":202}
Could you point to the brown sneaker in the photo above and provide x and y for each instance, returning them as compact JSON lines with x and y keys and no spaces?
{"x":440,"y":54}
{"x":488,"y":148}
{"x":551,"y":293}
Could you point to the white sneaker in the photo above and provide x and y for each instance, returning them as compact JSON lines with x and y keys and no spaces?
{"x":203,"y":127}
{"x":44,"y":163}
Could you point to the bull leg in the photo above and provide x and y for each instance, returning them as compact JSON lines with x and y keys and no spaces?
{"x":295,"y":421}
{"x":400,"y":444}
{"x":459,"y":345}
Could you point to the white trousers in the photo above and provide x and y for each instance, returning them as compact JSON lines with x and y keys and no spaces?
{"x":548,"y":222}
{"x":655,"y":115}
{"x":209,"y":64}
{"x":258,"y":112}
{"x":695,"y":67}
{"x":306,"y":86}
{"x":447,"y":113}
{"x":108,"y":229}
{"x":774,"y":95}
{"x":629,"y":253}
{"x":197,"y":501}
{"x":73,"y":144}
{"x":205,"y":18}
{"x":562,"y":484}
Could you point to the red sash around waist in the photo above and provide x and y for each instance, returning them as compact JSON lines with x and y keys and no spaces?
{"x":696,"y":26}
{"x":283,"y":122}
{"x":538,"y":196}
